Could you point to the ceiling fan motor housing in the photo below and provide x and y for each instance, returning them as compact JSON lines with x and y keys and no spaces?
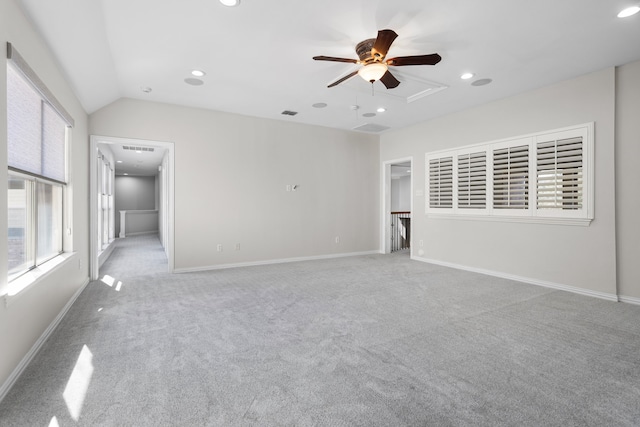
{"x":363,"y":49}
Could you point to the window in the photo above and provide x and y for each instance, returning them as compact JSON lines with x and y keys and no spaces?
{"x":472,"y":180}
{"x":545,"y":177}
{"x":441,"y":182}
{"x":36,"y":153}
{"x":511,"y":178}
{"x":105,"y":203}
{"x":559,"y":174}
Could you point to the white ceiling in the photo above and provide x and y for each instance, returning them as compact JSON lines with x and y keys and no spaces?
{"x":138,"y":159}
{"x":258,"y":55}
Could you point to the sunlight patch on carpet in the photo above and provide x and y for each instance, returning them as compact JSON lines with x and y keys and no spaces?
{"x":76,"y":389}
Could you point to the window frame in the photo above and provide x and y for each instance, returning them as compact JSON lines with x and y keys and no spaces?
{"x":33,"y":261}
{"x":532,"y":214}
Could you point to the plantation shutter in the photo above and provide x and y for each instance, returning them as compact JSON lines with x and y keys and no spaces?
{"x":511,"y":178}
{"x":472,"y":180}
{"x":559,"y":174}
{"x":441,"y":183}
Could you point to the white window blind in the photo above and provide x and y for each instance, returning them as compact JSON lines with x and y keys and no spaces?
{"x":559,"y":174}
{"x":36,"y":132}
{"x":472,"y":180}
{"x":441,"y":182}
{"x":511,"y":178}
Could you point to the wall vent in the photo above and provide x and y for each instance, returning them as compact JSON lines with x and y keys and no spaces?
{"x":128,"y":147}
{"x":289,"y":113}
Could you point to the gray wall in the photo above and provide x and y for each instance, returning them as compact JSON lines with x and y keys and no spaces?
{"x":579,"y":257}
{"x":134,"y":193}
{"x":231,"y":174}
{"x":29,"y":314}
{"x":628,"y":179}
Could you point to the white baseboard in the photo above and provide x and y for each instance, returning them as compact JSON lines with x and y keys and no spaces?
{"x":272,"y":261}
{"x":558,"y":286}
{"x":104,"y":255}
{"x":38,"y":344}
{"x":139,"y":233}
{"x":629,"y":300}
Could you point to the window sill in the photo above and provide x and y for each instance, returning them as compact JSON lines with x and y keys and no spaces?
{"x":18,"y":286}
{"x":581,"y":222}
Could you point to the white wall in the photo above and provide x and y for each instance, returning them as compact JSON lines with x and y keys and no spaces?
{"x":580,"y":257}
{"x":401,"y":194}
{"x":231,"y":174}
{"x":134,"y":193}
{"x":31,"y":312}
{"x":628,"y":179}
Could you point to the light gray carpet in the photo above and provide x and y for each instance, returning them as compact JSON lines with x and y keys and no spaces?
{"x":363,"y":341}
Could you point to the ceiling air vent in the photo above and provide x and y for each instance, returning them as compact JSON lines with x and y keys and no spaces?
{"x":128,"y":147}
{"x":289,"y":113}
{"x":371,"y":127}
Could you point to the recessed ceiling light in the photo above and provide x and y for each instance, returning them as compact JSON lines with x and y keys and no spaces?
{"x":230,"y":3}
{"x":125,"y":173}
{"x":139,"y":152}
{"x":629,"y":11}
{"x":466,"y":76}
{"x":118,"y":161}
{"x":381,"y":110}
{"x":198,"y":73}
{"x":369,"y":115}
{"x":146,"y":89}
{"x":319,"y":105}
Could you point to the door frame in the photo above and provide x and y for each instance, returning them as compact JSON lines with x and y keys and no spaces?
{"x":168,"y":196}
{"x":385,"y":210}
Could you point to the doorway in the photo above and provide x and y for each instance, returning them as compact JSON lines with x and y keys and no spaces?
{"x":397,"y":205}
{"x":103,"y":167}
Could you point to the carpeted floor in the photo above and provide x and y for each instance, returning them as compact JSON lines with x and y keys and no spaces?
{"x":362,"y":341}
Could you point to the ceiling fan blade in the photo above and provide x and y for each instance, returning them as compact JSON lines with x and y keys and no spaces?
{"x":431,"y":59}
{"x":383,"y":43}
{"x":347,"y":77}
{"x":389,"y":80}
{"x":331,"y":58}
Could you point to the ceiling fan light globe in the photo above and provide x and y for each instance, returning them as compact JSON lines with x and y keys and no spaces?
{"x":373,"y":72}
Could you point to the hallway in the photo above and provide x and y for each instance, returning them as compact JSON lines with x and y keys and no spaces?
{"x":135,"y":256}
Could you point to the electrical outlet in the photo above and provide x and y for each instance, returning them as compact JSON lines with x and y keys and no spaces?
{"x":219,"y":247}
{"x":421,"y":243}
{"x":288,"y":187}
{"x":337,"y":239}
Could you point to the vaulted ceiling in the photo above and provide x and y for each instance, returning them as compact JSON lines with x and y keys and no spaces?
{"x":258,"y":56}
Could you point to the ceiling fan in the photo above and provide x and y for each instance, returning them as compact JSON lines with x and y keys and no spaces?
{"x":372,"y":53}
